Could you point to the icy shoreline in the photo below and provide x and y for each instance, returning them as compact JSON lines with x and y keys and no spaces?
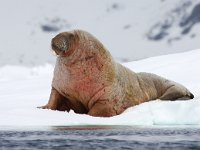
{"x":23,"y":89}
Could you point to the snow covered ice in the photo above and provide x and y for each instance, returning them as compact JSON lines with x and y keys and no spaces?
{"x":22,"y":89}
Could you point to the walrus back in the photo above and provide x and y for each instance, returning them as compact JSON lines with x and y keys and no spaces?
{"x":165,"y":89}
{"x":154,"y":84}
{"x":130,"y":83}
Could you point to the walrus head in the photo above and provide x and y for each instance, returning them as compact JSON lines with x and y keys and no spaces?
{"x":80,"y":46}
{"x":62,"y":42}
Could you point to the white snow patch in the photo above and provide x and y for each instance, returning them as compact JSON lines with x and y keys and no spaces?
{"x":22,"y":89}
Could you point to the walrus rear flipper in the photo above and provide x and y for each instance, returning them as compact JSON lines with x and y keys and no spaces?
{"x":176,"y":93}
{"x":186,"y":97}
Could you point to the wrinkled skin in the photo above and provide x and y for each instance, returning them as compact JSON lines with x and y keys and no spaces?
{"x":88,"y":80}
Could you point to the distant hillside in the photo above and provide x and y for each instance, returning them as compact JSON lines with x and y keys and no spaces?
{"x":131,"y":30}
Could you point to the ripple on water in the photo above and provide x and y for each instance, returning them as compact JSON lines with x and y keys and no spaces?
{"x":101,"y":137}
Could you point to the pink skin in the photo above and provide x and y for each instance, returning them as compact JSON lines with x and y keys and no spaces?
{"x":81,"y":76}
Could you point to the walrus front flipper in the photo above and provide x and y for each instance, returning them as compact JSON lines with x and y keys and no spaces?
{"x":176,"y":93}
{"x":57,"y":102}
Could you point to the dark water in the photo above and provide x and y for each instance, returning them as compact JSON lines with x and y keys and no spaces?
{"x":101,"y":137}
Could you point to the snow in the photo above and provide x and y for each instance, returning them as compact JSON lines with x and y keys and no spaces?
{"x":22,"y":89}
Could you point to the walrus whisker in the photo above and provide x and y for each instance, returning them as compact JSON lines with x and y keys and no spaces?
{"x":63,"y":46}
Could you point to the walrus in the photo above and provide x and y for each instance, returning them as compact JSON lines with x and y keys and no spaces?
{"x":88,"y":80}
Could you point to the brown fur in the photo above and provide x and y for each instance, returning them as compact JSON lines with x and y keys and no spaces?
{"x":88,"y":80}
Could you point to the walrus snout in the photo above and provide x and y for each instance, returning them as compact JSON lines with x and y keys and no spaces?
{"x":61,"y":42}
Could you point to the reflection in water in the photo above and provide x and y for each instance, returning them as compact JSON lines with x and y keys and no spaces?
{"x":101,"y":137}
{"x":92,"y":127}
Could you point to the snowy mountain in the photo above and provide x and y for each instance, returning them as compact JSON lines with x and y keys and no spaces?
{"x":131,"y":30}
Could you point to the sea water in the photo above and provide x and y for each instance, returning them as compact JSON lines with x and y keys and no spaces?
{"x":100,"y":137}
